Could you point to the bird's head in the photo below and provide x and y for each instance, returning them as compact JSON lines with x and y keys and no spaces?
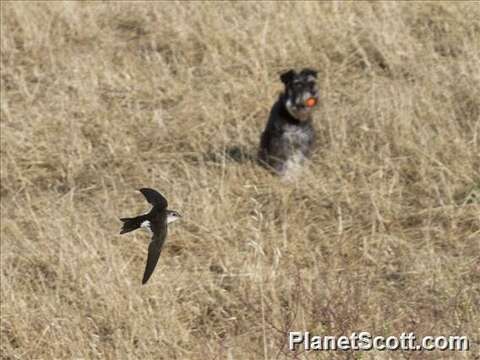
{"x":172,"y":215}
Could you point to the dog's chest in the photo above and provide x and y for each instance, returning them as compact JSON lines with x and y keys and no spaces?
{"x":296,"y":136}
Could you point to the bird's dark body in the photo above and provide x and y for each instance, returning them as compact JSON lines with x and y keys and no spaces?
{"x":156,"y":220}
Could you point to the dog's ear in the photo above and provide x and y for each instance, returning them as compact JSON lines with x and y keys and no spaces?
{"x":309,"y":72}
{"x":286,"y":77}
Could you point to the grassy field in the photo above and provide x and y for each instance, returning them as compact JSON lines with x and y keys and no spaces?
{"x":380,"y":234}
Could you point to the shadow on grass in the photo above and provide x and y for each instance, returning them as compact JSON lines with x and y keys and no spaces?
{"x":234,"y":153}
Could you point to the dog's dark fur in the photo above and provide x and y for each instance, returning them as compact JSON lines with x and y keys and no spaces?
{"x":289,"y":135}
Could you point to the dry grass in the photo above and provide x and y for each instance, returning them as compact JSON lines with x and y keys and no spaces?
{"x":381,"y":234}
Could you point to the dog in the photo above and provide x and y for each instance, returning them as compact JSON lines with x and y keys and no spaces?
{"x":289,"y":135}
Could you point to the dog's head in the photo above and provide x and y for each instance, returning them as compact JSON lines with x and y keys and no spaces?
{"x":301,"y":92}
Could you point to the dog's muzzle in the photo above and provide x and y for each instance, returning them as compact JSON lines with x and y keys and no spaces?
{"x":299,"y":109}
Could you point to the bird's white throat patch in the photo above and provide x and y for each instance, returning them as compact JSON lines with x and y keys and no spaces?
{"x":171,"y":218}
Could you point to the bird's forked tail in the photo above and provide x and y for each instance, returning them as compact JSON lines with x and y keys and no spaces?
{"x":130,"y":224}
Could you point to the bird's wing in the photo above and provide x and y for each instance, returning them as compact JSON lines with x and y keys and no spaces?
{"x":154,"y":250}
{"x":154,"y":198}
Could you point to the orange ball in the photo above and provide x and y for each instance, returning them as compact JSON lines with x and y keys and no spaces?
{"x":311,"y":102}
